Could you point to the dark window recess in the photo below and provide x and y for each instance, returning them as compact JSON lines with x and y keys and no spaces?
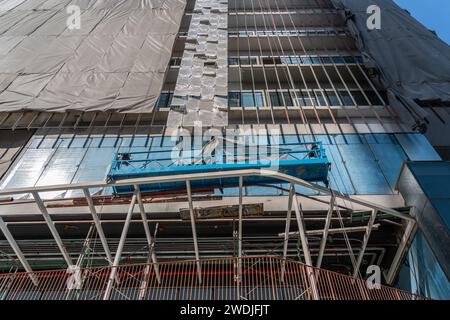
{"x":276,"y":99}
{"x":234,"y":99}
{"x":248,"y":60}
{"x":359,"y":98}
{"x":349,"y":59}
{"x":327,"y":60}
{"x":233,"y":61}
{"x":165,"y":100}
{"x":332,"y":98}
{"x":175,"y":62}
{"x":338,"y":60}
{"x":305,"y":100}
{"x":320,"y":99}
{"x":346,"y":98}
{"x":373,"y":98}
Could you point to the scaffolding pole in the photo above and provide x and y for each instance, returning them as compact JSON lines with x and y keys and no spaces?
{"x":323,"y":242}
{"x":118,"y":255}
{"x":12,"y":242}
{"x":305,"y":248}
{"x":369,"y":227}
{"x":52,"y":228}
{"x":286,"y":230}
{"x":194,"y":231}
{"x":148,"y":234}
{"x":98,"y":225}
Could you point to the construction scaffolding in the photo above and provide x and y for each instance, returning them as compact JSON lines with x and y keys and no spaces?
{"x":115,"y":259}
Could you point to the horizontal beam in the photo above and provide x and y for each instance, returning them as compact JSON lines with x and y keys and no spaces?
{"x":211,"y":175}
{"x":332,"y":231}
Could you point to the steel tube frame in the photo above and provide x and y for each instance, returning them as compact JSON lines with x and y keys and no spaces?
{"x":194,"y":231}
{"x":98,"y":225}
{"x":323,"y":242}
{"x":118,"y":256}
{"x":305,"y":248}
{"x":286,"y":230}
{"x":52,"y":228}
{"x":369,"y":227}
{"x":409,"y":231}
{"x":148,"y":234}
{"x":17,"y":251}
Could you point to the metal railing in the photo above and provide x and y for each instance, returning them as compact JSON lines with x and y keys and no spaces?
{"x":262,"y":278}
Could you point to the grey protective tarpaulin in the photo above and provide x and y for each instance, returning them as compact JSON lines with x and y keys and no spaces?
{"x":115,"y":61}
{"x":413,"y":61}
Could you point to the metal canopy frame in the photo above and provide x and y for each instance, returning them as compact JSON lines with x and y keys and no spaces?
{"x":293,"y":205}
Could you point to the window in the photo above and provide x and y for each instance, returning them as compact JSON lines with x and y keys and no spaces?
{"x":233,"y":61}
{"x":327,"y":60}
{"x":175,"y":61}
{"x":259,"y":99}
{"x":245,"y":99}
{"x":373,"y":98}
{"x":359,"y":98}
{"x":305,"y":60}
{"x":248,"y":60}
{"x":349,"y":59}
{"x":320,"y":98}
{"x":315,"y":60}
{"x":304,"y":100}
{"x":346,"y":98}
{"x":267,"y":60}
{"x":234,"y":99}
{"x":165,"y":100}
{"x":338,"y":60}
{"x":332,"y":98}
{"x":276,"y":99}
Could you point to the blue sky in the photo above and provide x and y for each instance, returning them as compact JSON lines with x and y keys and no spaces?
{"x":434,"y":14}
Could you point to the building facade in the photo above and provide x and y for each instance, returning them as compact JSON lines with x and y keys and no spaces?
{"x":229,"y":134}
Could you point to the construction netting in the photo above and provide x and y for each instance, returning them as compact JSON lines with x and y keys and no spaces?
{"x":112,"y":56}
{"x":412,"y":60}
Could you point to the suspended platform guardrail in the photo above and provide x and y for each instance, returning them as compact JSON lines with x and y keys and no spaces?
{"x":307,"y":161}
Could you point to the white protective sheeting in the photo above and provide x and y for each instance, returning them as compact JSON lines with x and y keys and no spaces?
{"x":414,"y":63}
{"x":202,"y":86}
{"x":115,"y":61}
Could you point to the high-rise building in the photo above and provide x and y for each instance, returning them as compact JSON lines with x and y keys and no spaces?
{"x":222,"y":149}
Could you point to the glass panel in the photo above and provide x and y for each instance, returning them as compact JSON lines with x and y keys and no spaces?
{"x":275,"y":99}
{"x":320,"y":99}
{"x":346,"y":98}
{"x":305,"y":60}
{"x":359,"y":98}
{"x":259,"y":99}
{"x":349,"y":59}
{"x":288,"y":99}
{"x":338,"y":60}
{"x":233,"y":61}
{"x":327,"y":60}
{"x":165,"y":99}
{"x":315,"y":60}
{"x":373,"y":97}
{"x":247,"y":99}
{"x":233,"y":99}
{"x":304,"y":99}
{"x":332,"y":98}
